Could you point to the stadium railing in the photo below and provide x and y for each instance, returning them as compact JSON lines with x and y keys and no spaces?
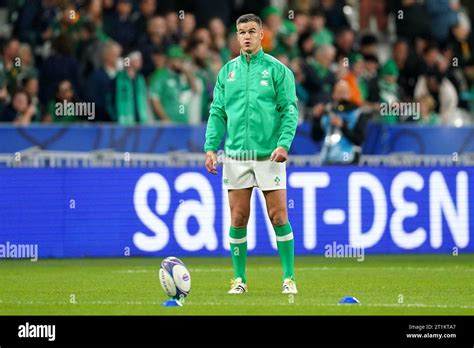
{"x":34,"y":157}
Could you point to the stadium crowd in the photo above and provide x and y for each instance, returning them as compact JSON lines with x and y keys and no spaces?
{"x":156,"y":61}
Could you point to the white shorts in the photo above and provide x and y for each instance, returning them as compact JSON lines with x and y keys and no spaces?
{"x":265,"y":174}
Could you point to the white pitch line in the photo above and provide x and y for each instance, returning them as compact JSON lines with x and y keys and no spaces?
{"x":335,"y":268}
{"x":210,"y":303}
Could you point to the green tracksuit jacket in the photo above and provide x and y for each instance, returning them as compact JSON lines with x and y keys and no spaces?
{"x":255,"y":102}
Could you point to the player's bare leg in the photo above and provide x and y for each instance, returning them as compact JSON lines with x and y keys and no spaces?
{"x":278,"y":214}
{"x":239,"y":201}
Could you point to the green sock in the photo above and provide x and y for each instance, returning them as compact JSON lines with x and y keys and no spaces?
{"x":238,"y":249}
{"x":286,"y":249}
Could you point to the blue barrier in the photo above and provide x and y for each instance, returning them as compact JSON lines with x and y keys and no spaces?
{"x":380,"y":139}
{"x":117,"y":212}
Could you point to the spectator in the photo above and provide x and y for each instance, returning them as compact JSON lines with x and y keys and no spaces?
{"x":411,"y":20}
{"x":27,"y":63}
{"x":30,"y":85}
{"x":154,"y":38}
{"x":439,"y":87}
{"x":188,"y":26}
{"x":35,"y":20}
{"x":67,"y":22}
{"x":130,"y":93}
{"x":369,"y":78}
{"x":61,"y":65}
{"x":389,"y":90}
{"x":77,"y":31}
{"x":334,"y":13}
{"x":147,"y":12}
{"x":11,"y":64}
{"x":448,"y":65}
{"x":158,"y":58}
{"x":203,"y":35}
{"x":344,"y":43}
{"x":462,"y":42}
{"x":427,"y":115}
{"x":88,"y":48}
{"x":286,"y":41}
{"x":369,"y":45}
{"x":342,"y":126}
{"x":302,"y":22}
{"x":408,"y":67}
{"x":94,"y":13}
{"x":306,"y":46}
{"x":321,"y":35}
{"x":443,"y":15}
{"x":271,"y":17}
{"x":205,"y":73}
{"x":119,"y":25}
{"x":172,"y":25}
{"x":100,"y":85}
{"x":431,"y":57}
{"x":64,"y":94}
{"x":468,"y":95}
{"x":172,"y":90}
{"x":20,"y":111}
{"x":353,"y":77}
{"x":296,"y":66}
{"x":319,"y":79}
{"x":4,"y":96}
{"x":234,"y":46}
{"x":219,"y":41}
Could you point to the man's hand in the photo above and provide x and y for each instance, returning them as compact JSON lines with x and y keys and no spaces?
{"x":211,"y":162}
{"x":337,"y":121}
{"x":318,"y":110}
{"x":279,"y":154}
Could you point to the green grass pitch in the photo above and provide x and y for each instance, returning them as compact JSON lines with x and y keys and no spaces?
{"x":385,"y":285}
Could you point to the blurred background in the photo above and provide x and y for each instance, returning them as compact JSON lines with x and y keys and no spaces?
{"x":384,"y":85}
{"x":386,"y":51}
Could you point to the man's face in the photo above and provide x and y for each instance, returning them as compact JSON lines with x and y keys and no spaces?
{"x":400,"y":52}
{"x":20,"y":102}
{"x":250,"y":36}
{"x":65,"y":91}
{"x":148,"y":7}
{"x":341,"y":91}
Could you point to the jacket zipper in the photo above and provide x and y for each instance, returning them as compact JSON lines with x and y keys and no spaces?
{"x":247,"y":109}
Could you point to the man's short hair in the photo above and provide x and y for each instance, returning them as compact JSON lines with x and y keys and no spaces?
{"x":250,"y":17}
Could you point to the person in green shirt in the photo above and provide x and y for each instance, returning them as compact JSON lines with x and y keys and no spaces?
{"x":171,"y":89}
{"x":65,"y":95}
{"x":130,"y":93}
{"x":389,"y":91}
{"x":287,"y":40}
{"x":321,"y":35}
{"x":255,"y":105}
{"x":428,"y":115}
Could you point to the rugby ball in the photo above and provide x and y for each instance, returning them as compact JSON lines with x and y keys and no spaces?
{"x":175,"y":278}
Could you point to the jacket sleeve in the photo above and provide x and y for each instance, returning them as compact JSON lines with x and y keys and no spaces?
{"x":287,"y":107}
{"x":217,"y":122}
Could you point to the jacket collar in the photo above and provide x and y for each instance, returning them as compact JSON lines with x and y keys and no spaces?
{"x":253,"y":57}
